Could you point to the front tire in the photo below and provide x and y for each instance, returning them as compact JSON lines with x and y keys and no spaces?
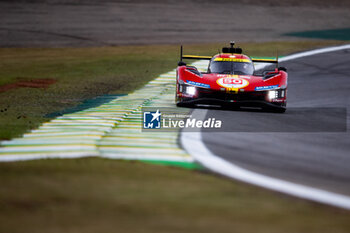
{"x":184,"y":105}
{"x":275,"y":109}
{"x":280,"y":110}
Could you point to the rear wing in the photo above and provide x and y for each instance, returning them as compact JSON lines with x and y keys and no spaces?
{"x":194,"y":57}
{"x":225,"y":50}
{"x":265,"y":60}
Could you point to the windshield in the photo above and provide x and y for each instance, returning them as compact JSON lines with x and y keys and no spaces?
{"x":229,"y":67}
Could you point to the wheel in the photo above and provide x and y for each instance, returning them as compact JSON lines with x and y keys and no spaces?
{"x":275,"y":109}
{"x":179,"y":104}
{"x":280,"y":110}
{"x":228,"y":106}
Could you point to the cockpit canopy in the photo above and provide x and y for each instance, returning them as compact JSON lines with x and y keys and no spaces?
{"x":221,"y":65}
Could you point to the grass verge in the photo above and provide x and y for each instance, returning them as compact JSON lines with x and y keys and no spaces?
{"x":100,"y":195}
{"x":84,"y":73}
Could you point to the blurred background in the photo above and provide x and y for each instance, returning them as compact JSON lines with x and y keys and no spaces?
{"x":58,"y":23}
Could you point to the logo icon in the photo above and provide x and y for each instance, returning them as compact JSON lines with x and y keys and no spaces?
{"x":151,"y":120}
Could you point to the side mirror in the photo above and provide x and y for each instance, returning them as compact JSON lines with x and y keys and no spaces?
{"x":194,"y":70}
{"x":282,"y":68}
{"x":268,"y":72}
{"x":181,"y":63}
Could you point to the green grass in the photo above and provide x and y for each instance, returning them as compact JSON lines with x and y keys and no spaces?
{"x":333,"y":34}
{"x":84,"y":73}
{"x":99,"y":195}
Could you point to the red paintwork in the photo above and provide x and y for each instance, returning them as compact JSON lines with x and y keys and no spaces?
{"x":185,"y":75}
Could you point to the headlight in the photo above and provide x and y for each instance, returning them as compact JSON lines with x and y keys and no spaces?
{"x":190,"y":90}
{"x":273,"y":95}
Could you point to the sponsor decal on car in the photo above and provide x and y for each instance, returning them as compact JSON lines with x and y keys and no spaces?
{"x":263,"y":88}
{"x":233,"y":76}
{"x":278,"y":100}
{"x":198,"y":84}
{"x":228,"y":75}
{"x":232,"y":59}
{"x":232,"y":83}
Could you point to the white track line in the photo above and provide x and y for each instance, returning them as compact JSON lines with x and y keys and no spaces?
{"x":193,"y":144}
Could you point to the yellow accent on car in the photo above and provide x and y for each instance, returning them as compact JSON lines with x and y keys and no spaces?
{"x":232,"y":90}
{"x":264,"y":60}
{"x":232,"y":59}
{"x":196,"y":56}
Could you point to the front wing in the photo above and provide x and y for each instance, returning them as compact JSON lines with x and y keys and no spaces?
{"x":190,"y":95}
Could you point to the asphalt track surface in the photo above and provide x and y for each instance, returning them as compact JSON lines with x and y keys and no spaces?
{"x":79,"y":23}
{"x":316,"y":156}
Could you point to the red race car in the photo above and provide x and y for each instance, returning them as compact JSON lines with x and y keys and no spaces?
{"x":230,"y":81}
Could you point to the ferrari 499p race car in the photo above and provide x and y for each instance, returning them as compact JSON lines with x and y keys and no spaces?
{"x":230,"y":81}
